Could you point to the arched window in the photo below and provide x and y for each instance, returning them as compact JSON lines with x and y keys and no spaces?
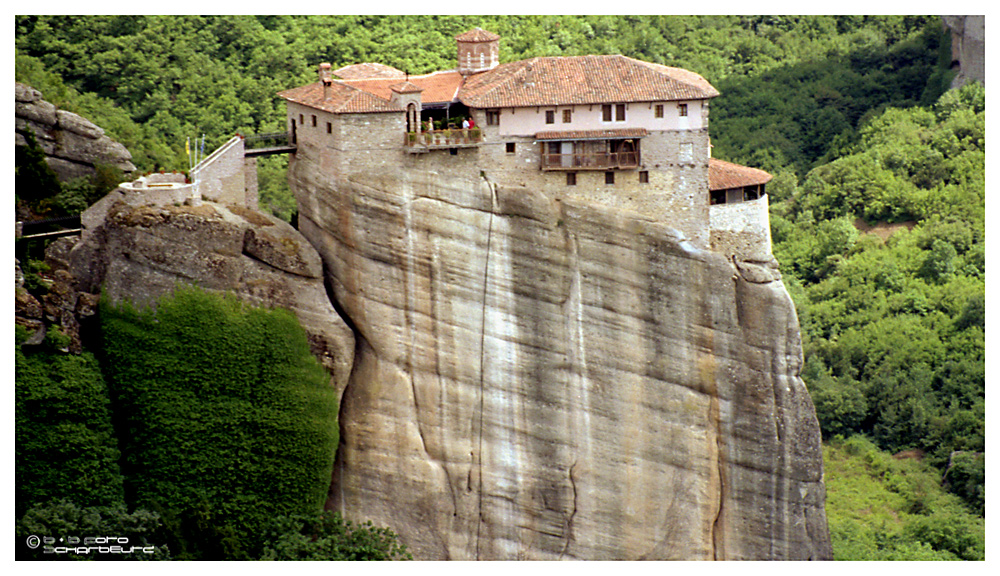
{"x":412,"y":122}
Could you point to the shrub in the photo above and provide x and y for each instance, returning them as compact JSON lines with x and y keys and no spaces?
{"x":64,"y":519}
{"x":329,"y":537}
{"x":228,"y":420}
{"x":64,"y":441}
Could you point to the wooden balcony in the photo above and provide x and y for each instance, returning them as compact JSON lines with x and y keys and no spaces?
{"x":442,"y":139}
{"x":591,"y":161}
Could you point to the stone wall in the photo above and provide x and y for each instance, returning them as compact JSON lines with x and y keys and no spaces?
{"x":364,"y":147}
{"x":742,"y":229}
{"x":222,"y":176}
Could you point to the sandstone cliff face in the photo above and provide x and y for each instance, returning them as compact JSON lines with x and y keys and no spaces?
{"x":140,"y":253}
{"x":537,"y":379}
{"x":72,"y":144}
{"x":968,"y":48}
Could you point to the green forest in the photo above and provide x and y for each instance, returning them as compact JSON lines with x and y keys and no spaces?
{"x":877,"y":217}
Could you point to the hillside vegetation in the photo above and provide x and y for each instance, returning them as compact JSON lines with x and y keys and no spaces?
{"x":217,"y":428}
{"x":877,"y":213}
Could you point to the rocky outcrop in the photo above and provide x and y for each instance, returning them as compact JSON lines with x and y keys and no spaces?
{"x":72,"y":144}
{"x":141,"y":252}
{"x":537,"y":379}
{"x":59,"y":304}
{"x":968,"y":48}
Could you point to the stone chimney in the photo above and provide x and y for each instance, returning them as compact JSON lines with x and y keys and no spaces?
{"x":529,"y":75}
{"x":478,"y":51}
{"x":326,"y":78}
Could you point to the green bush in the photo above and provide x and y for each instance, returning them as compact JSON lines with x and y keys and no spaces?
{"x":65,"y":446}
{"x":966,"y":477}
{"x":63,"y":519}
{"x":227,"y":419}
{"x":329,"y":537}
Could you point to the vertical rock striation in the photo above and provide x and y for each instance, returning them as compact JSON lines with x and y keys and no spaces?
{"x":536,"y":379}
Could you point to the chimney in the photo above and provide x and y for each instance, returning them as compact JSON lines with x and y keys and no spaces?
{"x":529,"y":75}
{"x":326,"y":79}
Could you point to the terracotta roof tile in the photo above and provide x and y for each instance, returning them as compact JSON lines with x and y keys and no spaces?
{"x":405,"y":87}
{"x":343,"y":99}
{"x":368,"y":70}
{"x":550,"y":81}
{"x":723,"y":175}
{"x":591,"y":134}
{"x":438,"y":86}
{"x":477,"y":35}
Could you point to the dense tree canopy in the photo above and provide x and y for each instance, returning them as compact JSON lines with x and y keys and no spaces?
{"x":893,"y":327}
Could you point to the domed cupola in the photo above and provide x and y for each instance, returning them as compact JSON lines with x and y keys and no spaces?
{"x":478,"y":51}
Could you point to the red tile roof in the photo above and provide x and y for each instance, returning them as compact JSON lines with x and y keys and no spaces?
{"x":547,"y":81}
{"x":591,"y":134}
{"x":405,"y":87}
{"x":368,"y":70}
{"x":477,"y":35}
{"x":343,"y":99}
{"x":723,"y":175}
{"x":438,"y":86}
{"x":550,"y":81}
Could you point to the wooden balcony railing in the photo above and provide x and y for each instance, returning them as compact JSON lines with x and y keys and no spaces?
{"x":445,"y":138}
{"x":590,"y":161}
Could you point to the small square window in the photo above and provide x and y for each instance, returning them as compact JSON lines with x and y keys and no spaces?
{"x":510,"y":147}
{"x":682,"y":109}
{"x":550,"y":116}
{"x":314,"y":120}
{"x":329,"y":128}
{"x":453,"y":151}
{"x":606,"y":112}
{"x":658,"y":111}
{"x":609,"y":177}
{"x":619,"y":113}
{"x":567,"y":116}
{"x":492,"y":117}
{"x":302,"y":119}
{"x":571,"y":178}
{"x":644,"y":177}
{"x":717,"y":197}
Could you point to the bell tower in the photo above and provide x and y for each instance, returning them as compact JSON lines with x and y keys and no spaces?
{"x":478,"y":51}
